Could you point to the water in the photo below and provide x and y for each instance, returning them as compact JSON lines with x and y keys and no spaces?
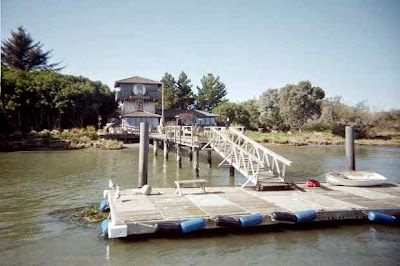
{"x":33,"y":184}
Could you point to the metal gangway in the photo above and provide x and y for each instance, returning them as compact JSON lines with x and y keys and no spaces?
{"x":253,"y":160}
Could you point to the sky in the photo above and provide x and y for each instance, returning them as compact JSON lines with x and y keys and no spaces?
{"x":348,"y":48}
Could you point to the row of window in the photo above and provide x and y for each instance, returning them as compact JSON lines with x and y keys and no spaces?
{"x":135,"y":121}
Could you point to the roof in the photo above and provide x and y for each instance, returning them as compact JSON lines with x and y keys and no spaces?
{"x":136,"y":79}
{"x":141,"y":114}
{"x":172,"y":113}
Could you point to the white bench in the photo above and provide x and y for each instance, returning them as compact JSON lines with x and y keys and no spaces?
{"x":201,"y":182}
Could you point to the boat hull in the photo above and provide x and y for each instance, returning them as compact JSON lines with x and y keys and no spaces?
{"x":355,"y":179}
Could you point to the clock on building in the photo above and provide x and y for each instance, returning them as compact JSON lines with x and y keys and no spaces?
{"x":139,"y":89}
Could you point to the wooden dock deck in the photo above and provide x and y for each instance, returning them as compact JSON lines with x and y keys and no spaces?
{"x":134,"y":213}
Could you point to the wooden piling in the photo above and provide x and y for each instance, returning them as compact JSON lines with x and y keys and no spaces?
{"x":178,"y":155}
{"x":165,"y":150}
{"x":143,"y":154}
{"x":209,"y":158}
{"x":350,"y":151}
{"x":196,"y":159}
{"x":155,"y":147}
{"x":231,"y":170}
{"x":190,"y":154}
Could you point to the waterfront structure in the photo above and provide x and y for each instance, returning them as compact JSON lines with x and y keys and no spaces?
{"x":190,"y":117}
{"x":138,"y":97}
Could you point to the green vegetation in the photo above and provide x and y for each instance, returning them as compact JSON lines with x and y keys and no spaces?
{"x":20,"y":52}
{"x":211,"y":93}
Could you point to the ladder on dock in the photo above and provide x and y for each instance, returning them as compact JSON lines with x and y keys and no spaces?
{"x":256,"y":162}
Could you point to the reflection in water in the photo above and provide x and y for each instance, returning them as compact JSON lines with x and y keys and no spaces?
{"x":33,"y":184}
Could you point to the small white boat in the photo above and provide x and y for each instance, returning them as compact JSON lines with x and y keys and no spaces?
{"x":355,"y":178}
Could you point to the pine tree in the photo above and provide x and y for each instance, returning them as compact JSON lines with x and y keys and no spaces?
{"x":184,"y":93}
{"x":211,"y":93}
{"x":170,"y":99}
{"x":21,"y":52}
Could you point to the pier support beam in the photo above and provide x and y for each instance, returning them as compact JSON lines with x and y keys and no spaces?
{"x":178,"y":155}
{"x":209,"y":159}
{"x":196,"y":159}
{"x":143,"y":154}
{"x":155,"y":147}
{"x":165,"y":150}
{"x":350,"y":151}
{"x":231,"y":171}
{"x":190,"y":154}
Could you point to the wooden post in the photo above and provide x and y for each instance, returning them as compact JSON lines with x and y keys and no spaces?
{"x":209,"y":158}
{"x":350,"y":152}
{"x":143,"y":154}
{"x":196,"y":161}
{"x":165,"y":150}
{"x":155,"y":148}
{"x":178,"y":155}
{"x":190,"y":154}
{"x":232,"y":171}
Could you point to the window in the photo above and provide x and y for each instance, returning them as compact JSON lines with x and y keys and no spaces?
{"x":140,"y":105}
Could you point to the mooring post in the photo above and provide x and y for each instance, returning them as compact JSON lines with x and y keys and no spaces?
{"x":178,"y":155}
{"x":350,"y":151}
{"x":209,"y":158}
{"x":143,"y":154}
{"x":196,"y":161}
{"x":155,"y":147}
{"x":165,"y":150}
{"x":231,"y":170}
{"x":190,"y":154}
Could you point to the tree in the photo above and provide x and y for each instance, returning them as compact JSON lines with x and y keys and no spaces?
{"x":236,"y":113}
{"x":269,"y":108}
{"x":252,"y":107}
{"x":184,"y":93}
{"x":43,"y":99}
{"x":298,"y":103}
{"x":211,"y":93}
{"x":170,"y":99}
{"x":21,"y":52}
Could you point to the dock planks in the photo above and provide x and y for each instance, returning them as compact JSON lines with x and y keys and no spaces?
{"x":330,"y":202}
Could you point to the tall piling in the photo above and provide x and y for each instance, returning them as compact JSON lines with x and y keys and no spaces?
{"x":196,"y":159}
{"x":231,"y":170}
{"x":350,"y":150}
{"x":143,"y":154}
{"x":178,"y":155}
{"x":209,"y":159}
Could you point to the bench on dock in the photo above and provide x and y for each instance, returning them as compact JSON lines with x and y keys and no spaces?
{"x":201,"y":182}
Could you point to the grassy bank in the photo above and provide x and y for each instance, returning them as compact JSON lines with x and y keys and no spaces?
{"x":318,"y":138}
{"x":77,"y":138}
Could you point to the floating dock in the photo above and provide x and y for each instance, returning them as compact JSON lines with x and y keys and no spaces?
{"x":134,"y":213}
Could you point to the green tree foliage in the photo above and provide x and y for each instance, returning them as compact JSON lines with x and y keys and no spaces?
{"x":170,"y":100}
{"x":21,"y":52}
{"x":236,"y":113}
{"x":42,"y":99}
{"x":299,"y":103}
{"x":184,"y":93}
{"x":211,"y":93}
{"x":269,"y":108}
{"x":252,"y":107}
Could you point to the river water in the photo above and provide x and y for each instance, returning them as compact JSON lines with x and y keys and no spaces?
{"x":34,"y":184}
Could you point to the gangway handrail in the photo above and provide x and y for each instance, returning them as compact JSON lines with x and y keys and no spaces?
{"x":261,"y":147}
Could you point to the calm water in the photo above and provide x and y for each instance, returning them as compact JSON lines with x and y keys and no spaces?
{"x":33,"y":184}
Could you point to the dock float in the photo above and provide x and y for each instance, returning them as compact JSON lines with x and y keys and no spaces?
{"x":231,"y":207}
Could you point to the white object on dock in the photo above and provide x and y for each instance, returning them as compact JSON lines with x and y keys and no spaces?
{"x":201,"y":182}
{"x":117,"y":193}
{"x":111,"y":184}
{"x":146,"y":190}
{"x":355,"y":178}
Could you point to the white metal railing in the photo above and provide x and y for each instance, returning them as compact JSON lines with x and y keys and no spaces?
{"x":181,"y":135}
{"x":248,"y":156}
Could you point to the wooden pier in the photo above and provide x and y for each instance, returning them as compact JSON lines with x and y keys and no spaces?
{"x":134,"y":213}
